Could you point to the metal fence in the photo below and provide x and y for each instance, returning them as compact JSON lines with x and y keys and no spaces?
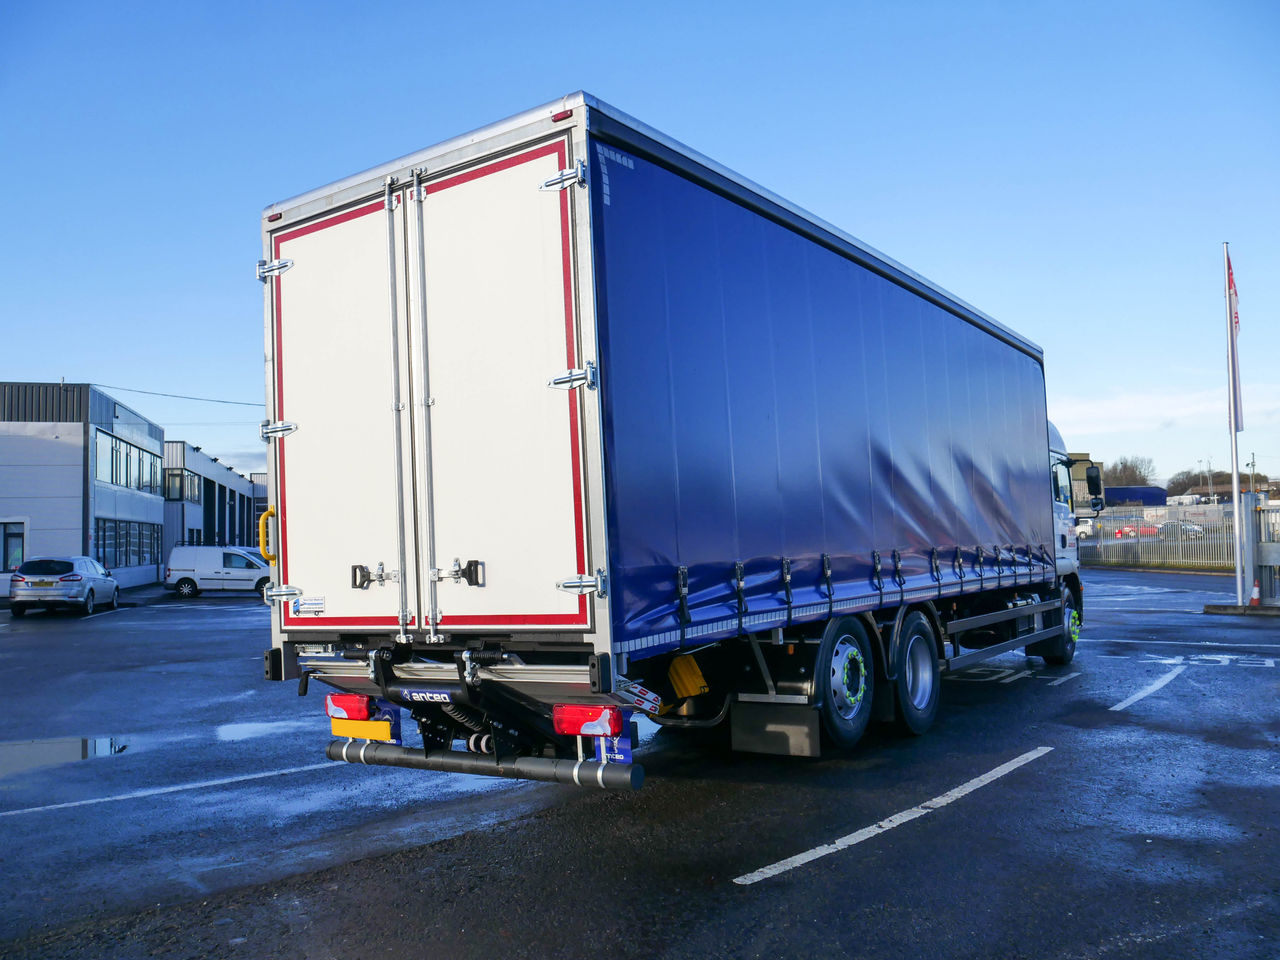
{"x":1269,"y":551}
{"x":1193,"y":537}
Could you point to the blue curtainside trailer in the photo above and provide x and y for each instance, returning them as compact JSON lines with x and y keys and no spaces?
{"x":792,"y":481}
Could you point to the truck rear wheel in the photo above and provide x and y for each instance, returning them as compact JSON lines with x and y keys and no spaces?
{"x":846,"y":672}
{"x":919,"y":679}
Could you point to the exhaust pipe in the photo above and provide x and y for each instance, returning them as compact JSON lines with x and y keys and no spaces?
{"x":582,"y":773}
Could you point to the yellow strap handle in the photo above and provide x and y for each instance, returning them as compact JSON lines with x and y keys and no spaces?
{"x":262,"y":535}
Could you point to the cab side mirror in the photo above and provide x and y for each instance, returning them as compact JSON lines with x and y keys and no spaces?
{"x":1093,"y":479}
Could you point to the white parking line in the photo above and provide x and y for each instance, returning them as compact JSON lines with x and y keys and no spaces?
{"x":155,"y":791}
{"x":1148,"y":690}
{"x":95,"y":616}
{"x":897,"y":820}
{"x":1181,"y":643}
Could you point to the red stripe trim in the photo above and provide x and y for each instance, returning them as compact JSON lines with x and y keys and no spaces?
{"x":558,"y":150}
{"x":510,"y":620}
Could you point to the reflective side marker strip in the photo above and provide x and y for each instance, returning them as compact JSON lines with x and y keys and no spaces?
{"x":897,"y":820}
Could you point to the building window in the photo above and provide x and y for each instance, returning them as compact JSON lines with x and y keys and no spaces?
{"x":172,"y":484}
{"x":123,"y":543}
{"x":12,"y":544}
{"x":102,"y":469}
{"x":125,"y":465}
{"x":193,"y":486}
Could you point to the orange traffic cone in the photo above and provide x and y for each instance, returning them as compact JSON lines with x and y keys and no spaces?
{"x":1255,"y":598}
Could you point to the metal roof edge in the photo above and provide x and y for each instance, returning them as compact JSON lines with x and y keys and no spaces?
{"x":594,"y":103}
{"x":417,"y":157}
{"x":591,"y":102}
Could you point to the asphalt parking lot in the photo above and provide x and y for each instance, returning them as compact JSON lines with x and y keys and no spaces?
{"x":1122,"y":806}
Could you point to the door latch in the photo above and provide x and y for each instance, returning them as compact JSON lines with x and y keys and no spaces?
{"x":362,"y":576}
{"x":471,"y":572}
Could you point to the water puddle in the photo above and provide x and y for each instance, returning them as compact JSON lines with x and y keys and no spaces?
{"x":18,"y":756}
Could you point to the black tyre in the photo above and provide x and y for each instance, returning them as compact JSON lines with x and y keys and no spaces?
{"x":186,"y":587}
{"x":1061,"y":650}
{"x":115,"y":599}
{"x":919,"y":678}
{"x":16,"y":611}
{"x":261,"y":586}
{"x":88,"y":603}
{"x":845,"y":672}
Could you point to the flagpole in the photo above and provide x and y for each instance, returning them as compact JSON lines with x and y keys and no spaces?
{"x":1233,"y":371}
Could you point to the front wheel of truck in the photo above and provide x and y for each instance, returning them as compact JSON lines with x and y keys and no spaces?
{"x":1062,"y":650}
{"x":846,"y":670}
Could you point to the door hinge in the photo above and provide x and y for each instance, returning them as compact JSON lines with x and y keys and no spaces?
{"x":577,"y":174}
{"x":272,"y":268}
{"x":280,"y":428}
{"x":599,"y":584}
{"x":281,"y":593}
{"x":571,"y":379}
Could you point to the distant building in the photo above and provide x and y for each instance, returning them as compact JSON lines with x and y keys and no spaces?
{"x":1136,"y":496}
{"x":260,"y":503}
{"x":205,"y":501}
{"x":80,"y":474}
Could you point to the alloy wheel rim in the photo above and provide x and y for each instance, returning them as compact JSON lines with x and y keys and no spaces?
{"x":919,"y":671}
{"x":848,"y":677}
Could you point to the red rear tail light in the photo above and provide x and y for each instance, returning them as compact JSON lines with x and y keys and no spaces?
{"x":349,"y":706}
{"x":71,"y":578}
{"x":587,"y":720}
{"x":17,"y":578}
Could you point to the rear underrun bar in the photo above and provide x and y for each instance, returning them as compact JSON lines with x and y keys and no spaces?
{"x":582,"y":773}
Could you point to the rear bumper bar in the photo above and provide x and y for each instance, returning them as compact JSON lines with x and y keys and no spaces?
{"x":582,"y":773}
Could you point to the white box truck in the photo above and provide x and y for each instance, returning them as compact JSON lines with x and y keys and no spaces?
{"x":568,"y":422}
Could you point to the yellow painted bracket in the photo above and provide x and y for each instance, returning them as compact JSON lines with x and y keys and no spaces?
{"x":262,"y":535}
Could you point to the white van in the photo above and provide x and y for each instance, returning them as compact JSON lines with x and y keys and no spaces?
{"x":192,"y":569}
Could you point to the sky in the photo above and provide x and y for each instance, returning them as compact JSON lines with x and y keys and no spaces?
{"x":1070,"y":169}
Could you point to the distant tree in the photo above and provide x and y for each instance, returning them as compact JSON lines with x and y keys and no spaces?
{"x":1182,"y":481}
{"x":1185,"y":480}
{"x":1129,"y":472}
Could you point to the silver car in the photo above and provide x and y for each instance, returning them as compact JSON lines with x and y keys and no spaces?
{"x":62,"y":582}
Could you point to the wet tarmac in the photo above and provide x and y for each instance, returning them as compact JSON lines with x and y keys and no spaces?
{"x":1123,"y":806}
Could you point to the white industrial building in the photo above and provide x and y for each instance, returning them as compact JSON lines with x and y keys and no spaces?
{"x":205,"y":501}
{"x":80,"y":474}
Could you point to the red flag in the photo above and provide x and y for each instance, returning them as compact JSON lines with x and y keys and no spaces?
{"x":1233,"y":354}
{"x":1233,"y":300}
